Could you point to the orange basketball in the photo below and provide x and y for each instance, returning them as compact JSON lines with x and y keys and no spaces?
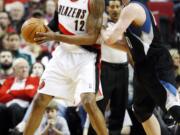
{"x":30,"y":27}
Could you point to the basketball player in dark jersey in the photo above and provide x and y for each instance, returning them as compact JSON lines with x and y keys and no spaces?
{"x":70,"y":74}
{"x":114,"y":75}
{"x":154,"y":75}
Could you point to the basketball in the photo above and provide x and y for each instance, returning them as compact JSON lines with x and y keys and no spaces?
{"x":30,"y":27}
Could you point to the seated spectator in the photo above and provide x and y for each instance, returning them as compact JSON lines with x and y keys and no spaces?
{"x":176,"y":60}
{"x":2,"y":31}
{"x":62,"y":107}
{"x":14,"y":42}
{"x":16,"y":94}
{"x":4,"y":42}
{"x":50,"y":9}
{"x":37,"y":69}
{"x":16,"y":12}
{"x":53,"y":124}
{"x":33,"y":5}
{"x":1,"y":5}
{"x":5,"y":22}
{"x":6,"y":60}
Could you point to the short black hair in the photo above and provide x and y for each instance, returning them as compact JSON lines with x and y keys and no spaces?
{"x":107,"y":2}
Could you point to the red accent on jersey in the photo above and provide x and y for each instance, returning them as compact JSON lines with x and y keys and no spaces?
{"x":64,"y":30}
{"x":97,"y":46}
{"x":42,"y":85}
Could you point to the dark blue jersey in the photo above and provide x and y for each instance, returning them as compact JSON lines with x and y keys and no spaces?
{"x":140,"y":38}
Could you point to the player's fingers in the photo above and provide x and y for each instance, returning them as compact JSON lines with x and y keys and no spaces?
{"x":40,"y":34}
{"x":40,"y":38}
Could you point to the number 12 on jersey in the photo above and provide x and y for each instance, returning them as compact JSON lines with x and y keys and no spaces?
{"x":79,"y":25}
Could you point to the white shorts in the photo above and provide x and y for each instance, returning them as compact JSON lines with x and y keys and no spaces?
{"x":68,"y":74}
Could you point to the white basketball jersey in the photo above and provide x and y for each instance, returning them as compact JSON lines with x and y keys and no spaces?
{"x":72,"y":16}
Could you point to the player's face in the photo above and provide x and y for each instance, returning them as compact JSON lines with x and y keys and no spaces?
{"x":114,"y":9}
{"x":6,"y":58}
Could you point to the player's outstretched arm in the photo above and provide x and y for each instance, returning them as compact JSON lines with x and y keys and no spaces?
{"x":132,"y":13}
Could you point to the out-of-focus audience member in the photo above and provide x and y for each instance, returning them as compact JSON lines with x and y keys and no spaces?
{"x":16,"y":94}
{"x":37,"y":69}
{"x":6,"y":60}
{"x":53,"y":124}
{"x":5,"y":22}
{"x":176,"y":60}
{"x":14,"y":42}
{"x":50,"y":8}
{"x":4,"y":42}
{"x":39,"y":14}
{"x":1,"y":5}
{"x":33,"y":5}
{"x":17,"y":12}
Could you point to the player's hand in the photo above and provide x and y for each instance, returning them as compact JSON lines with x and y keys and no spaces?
{"x":41,"y":37}
{"x":106,"y":36}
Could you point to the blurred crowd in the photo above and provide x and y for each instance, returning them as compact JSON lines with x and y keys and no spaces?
{"x":22,"y":64}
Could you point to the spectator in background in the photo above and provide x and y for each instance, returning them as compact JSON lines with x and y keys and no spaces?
{"x":176,"y":61}
{"x":6,"y":60}
{"x":1,"y":5}
{"x":33,"y":5}
{"x":17,"y":12}
{"x":53,"y":124}
{"x":5,"y":22}
{"x":37,"y":69}
{"x":50,"y":9}
{"x":14,"y":42}
{"x":4,"y":42}
{"x":39,"y":14}
{"x":16,"y":94}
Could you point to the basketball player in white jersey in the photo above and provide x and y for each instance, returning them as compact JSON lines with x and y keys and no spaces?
{"x":70,"y":74}
{"x":153,"y":67}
